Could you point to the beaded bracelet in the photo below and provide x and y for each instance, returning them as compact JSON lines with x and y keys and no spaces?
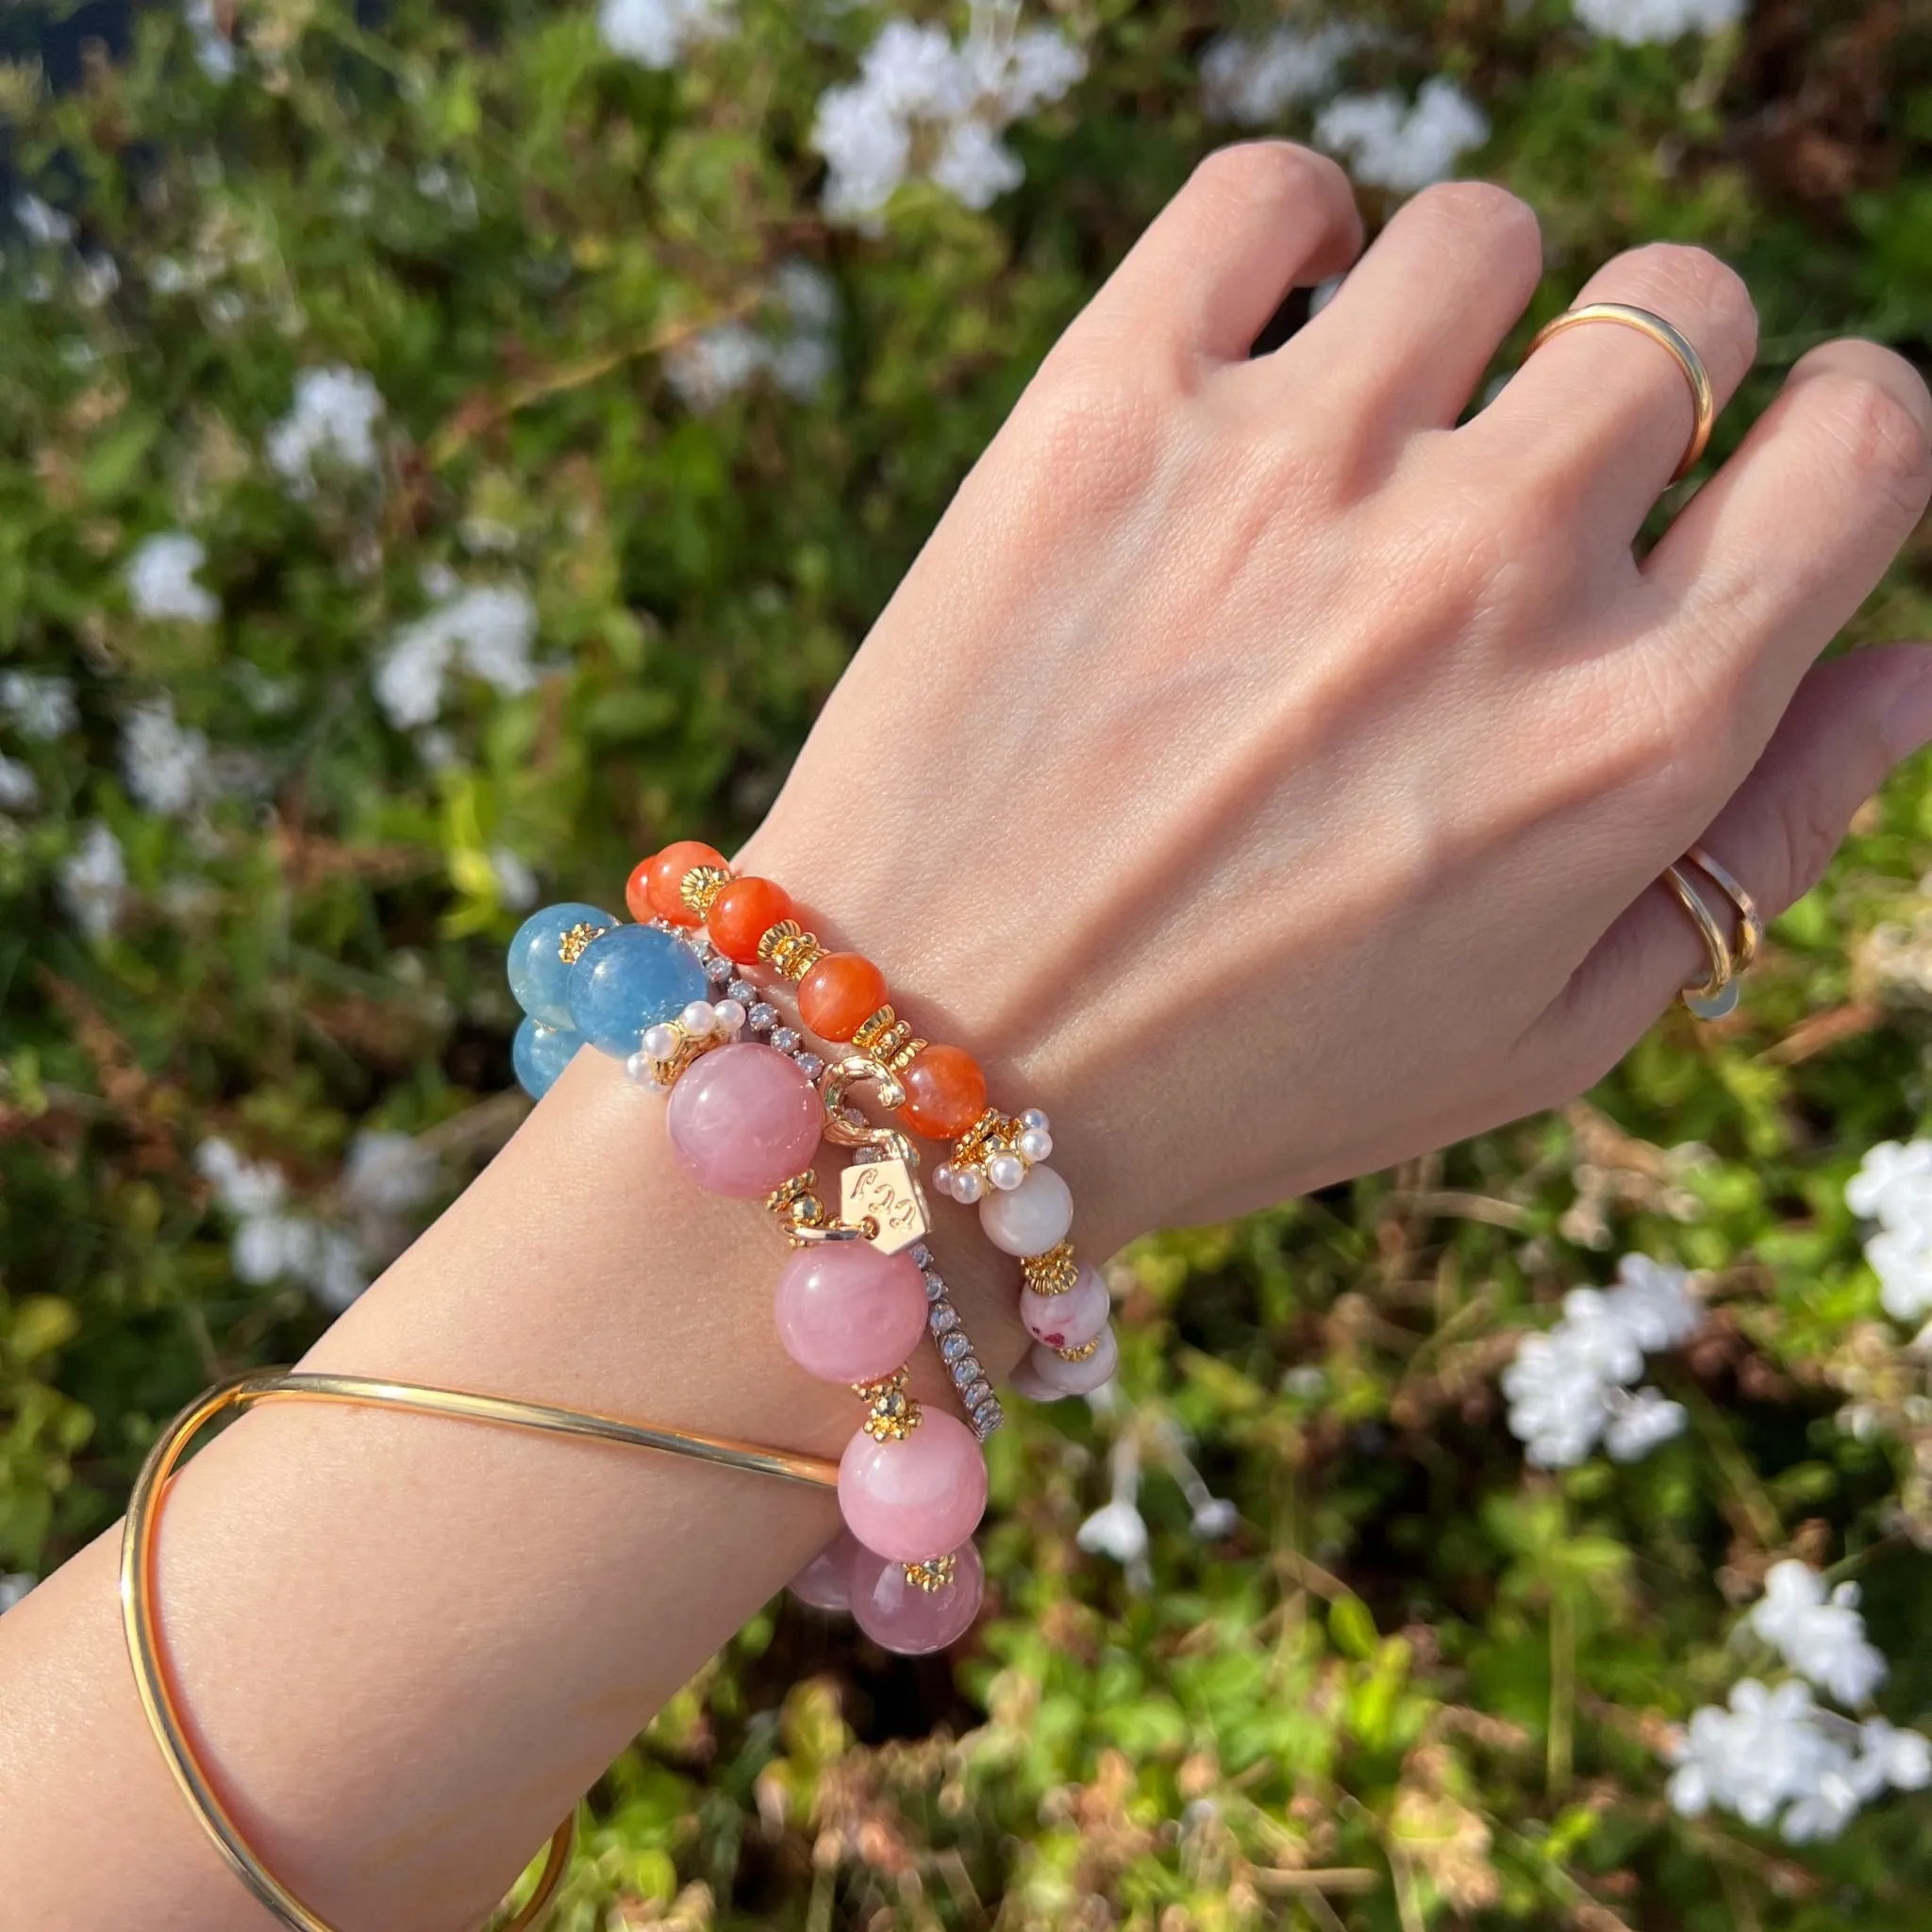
{"x":745,"y":1121}
{"x":997,"y":1160}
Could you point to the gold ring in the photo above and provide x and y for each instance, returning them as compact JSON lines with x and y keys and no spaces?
{"x":1750,"y":920}
{"x":154,"y":1680}
{"x":1668,"y":336}
{"x":1719,"y":994}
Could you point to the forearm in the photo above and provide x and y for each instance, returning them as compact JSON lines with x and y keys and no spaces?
{"x":408,"y":1646}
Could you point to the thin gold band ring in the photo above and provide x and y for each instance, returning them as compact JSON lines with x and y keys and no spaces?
{"x":141,"y":1534}
{"x":1667,"y":335}
{"x":1718,"y":995}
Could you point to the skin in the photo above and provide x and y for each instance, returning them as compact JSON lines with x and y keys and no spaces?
{"x":1249,"y":744}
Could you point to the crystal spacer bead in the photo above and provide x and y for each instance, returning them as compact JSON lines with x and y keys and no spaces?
{"x":762,"y":1016}
{"x":953,"y":1347}
{"x":942,"y":1318}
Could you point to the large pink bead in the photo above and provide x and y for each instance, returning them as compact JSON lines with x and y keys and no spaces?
{"x":899,"y":1616}
{"x":826,"y":1582}
{"x":1068,"y":1320}
{"x":742,"y":1119}
{"x":848,"y":1313}
{"x":915,"y":1498}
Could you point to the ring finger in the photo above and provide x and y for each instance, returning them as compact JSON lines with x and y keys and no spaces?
{"x":1598,"y":418}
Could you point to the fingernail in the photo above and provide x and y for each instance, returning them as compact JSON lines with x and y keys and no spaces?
{"x":1908,"y":717}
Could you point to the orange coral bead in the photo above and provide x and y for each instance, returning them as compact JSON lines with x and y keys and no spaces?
{"x":839,"y":993}
{"x":742,"y":913}
{"x":652,"y":891}
{"x":945,"y":1092}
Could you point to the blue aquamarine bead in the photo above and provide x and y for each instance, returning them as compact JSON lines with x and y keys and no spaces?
{"x":631,"y":977}
{"x":538,"y":976}
{"x":539,"y":1052}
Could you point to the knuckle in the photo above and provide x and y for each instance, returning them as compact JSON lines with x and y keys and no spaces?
{"x":1875,"y":433}
{"x":1265,"y":173}
{"x":1092,"y":434}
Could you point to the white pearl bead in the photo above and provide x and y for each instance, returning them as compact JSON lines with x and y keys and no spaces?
{"x":699,"y":1019}
{"x":967,"y":1186}
{"x":1033,"y":1116}
{"x":1005,"y":1171}
{"x":1033,"y":1218}
{"x":642,"y":1068}
{"x":1035,"y":1145}
{"x":660,"y":1042}
{"x":730,"y":1016}
{"x":942,"y":1178}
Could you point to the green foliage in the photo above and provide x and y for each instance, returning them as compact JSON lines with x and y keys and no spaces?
{"x":1416,"y":1686}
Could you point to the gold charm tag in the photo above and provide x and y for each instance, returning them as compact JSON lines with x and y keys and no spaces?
{"x":885,"y":1193}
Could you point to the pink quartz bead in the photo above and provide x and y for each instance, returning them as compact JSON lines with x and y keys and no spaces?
{"x":1066,"y":1320}
{"x":826,"y":1582}
{"x":900,"y":1616}
{"x":1076,"y":1379}
{"x":911,"y":1498}
{"x":848,"y":1313}
{"x":743,"y":1118}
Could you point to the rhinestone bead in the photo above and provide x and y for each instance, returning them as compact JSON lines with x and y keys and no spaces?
{"x":921,"y":1253}
{"x":979,"y":1389}
{"x":943,"y":1316}
{"x":810,"y":1066}
{"x":762,"y":1016}
{"x":935,"y":1285}
{"x":786,"y":1039}
{"x":966,"y":1371}
{"x":718,"y":968}
{"x":953,"y":1347}
{"x":743,"y":991}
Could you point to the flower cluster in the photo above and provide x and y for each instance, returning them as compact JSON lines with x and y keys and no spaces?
{"x":923,"y":107}
{"x":655,"y":32}
{"x":1389,"y":144}
{"x":1569,"y":1389}
{"x":93,"y":881}
{"x":161,"y":581}
{"x":1637,"y":22}
{"x":1893,"y":1187}
{"x":1778,"y":1751}
{"x":385,"y":1177}
{"x":1253,"y":83}
{"x":796,"y":352}
{"x":332,"y":422}
{"x":1117,"y":1528}
{"x":488,"y":628}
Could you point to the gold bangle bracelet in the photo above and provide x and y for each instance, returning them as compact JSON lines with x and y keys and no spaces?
{"x":141,"y":1534}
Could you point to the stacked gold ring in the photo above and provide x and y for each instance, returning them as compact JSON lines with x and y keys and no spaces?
{"x":1729,"y":956}
{"x":1667,"y":336}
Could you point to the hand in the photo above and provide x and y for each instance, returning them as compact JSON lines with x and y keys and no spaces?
{"x":1269,"y":776}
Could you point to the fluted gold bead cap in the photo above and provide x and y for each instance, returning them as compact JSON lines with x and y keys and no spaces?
{"x":1053,"y":1272}
{"x":701,"y":886}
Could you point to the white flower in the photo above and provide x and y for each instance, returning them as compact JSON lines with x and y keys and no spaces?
{"x":1902,"y":1261}
{"x":332,"y":420}
{"x":1252,"y":82}
{"x":1653,"y":1302}
{"x":1389,"y":144}
{"x":20,"y":790}
{"x":1595,"y":1331}
{"x":975,"y":167}
{"x":1115,"y":1529}
{"x":918,"y":95}
{"x":388,"y":1173}
{"x":1634,"y":21}
{"x":489,"y":628}
{"x":213,"y":50}
{"x":1558,"y":1401}
{"x":1639,"y":1421}
{"x":245,"y":1187}
{"x":166,"y":765}
{"x":38,"y":705}
{"x":39,"y":223}
{"x":516,"y":883}
{"x":1214,"y":1517}
{"x":655,"y":32}
{"x":271,"y":1243}
{"x":1820,"y":1636}
{"x":1776,"y":1750}
{"x":1893,"y":1185}
{"x":14,"y":1586}
{"x":796,"y":350}
{"x":161,"y":580}
{"x":714,"y":364}
{"x":93,"y":882}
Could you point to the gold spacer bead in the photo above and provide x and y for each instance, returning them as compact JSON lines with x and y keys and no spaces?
{"x":569,"y":948}
{"x":790,"y":948}
{"x":701,"y":885}
{"x":892,"y":1414}
{"x":1083,"y":1352}
{"x":973,"y":1147}
{"x":888,"y":1040}
{"x":933,"y":1574}
{"x":1053,"y":1272}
